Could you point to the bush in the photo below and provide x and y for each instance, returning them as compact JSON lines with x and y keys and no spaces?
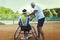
{"x":2,"y":23}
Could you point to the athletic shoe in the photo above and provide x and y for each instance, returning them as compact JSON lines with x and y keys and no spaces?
{"x":29,"y":35}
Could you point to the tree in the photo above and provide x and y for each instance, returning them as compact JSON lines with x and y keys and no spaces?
{"x":47,"y":13}
{"x":55,"y":14}
{"x":6,"y":13}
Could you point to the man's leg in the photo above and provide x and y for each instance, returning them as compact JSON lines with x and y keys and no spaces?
{"x":39,"y":26}
{"x":40,"y":32}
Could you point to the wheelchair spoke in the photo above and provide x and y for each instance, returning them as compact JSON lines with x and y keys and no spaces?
{"x":17,"y":33}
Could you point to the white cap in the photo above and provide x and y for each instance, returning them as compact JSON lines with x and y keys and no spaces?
{"x":32,"y":3}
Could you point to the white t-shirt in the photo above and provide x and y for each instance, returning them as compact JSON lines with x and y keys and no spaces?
{"x":39,"y":14}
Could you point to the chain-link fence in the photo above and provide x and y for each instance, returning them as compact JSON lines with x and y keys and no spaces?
{"x":15,"y":21}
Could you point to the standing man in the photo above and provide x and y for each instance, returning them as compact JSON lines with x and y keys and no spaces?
{"x":40,"y":16}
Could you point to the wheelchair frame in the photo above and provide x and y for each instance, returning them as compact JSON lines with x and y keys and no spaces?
{"x":18,"y":32}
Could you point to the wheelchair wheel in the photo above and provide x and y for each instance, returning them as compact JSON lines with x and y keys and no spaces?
{"x":34,"y":32}
{"x":17,"y":33}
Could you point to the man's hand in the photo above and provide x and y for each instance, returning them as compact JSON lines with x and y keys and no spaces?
{"x":31,"y":15}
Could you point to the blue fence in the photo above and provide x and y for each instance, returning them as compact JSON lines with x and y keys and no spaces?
{"x":49,"y":19}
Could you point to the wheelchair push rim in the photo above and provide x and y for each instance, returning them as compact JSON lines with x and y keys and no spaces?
{"x":34,"y":33}
{"x":17,"y":33}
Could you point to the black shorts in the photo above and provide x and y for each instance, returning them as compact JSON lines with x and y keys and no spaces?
{"x":26,"y":28}
{"x":41,"y":22}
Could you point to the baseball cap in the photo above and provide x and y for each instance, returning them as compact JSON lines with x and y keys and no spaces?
{"x":24,"y":10}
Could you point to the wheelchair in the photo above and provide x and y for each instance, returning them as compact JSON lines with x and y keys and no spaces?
{"x":20,"y":29}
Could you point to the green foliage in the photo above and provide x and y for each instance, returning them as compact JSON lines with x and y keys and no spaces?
{"x":6,"y":13}
{"x":54,"y":12}
{"x":16,"y":15}
{"x":48,"y":13}
{"x":58,"y":11}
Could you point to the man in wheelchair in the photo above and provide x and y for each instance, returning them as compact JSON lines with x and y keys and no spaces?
{"x":24,"y":23}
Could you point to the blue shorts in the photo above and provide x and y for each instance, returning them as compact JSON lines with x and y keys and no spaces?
{"x":41,"y":22}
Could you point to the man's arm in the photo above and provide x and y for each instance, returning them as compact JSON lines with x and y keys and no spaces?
{"x":32,"y":15}
{"x":34,"y":11}
{"x":30,"y":18}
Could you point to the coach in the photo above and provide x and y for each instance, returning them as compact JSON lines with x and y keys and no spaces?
{"x":40,"y":16}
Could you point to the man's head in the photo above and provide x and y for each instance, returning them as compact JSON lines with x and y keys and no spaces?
{"x":32,"y":4}
{"x":24,"y":12}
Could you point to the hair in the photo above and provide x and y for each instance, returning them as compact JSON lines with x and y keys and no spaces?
{"x":24,"y":10}
{"x":32,"y":3}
